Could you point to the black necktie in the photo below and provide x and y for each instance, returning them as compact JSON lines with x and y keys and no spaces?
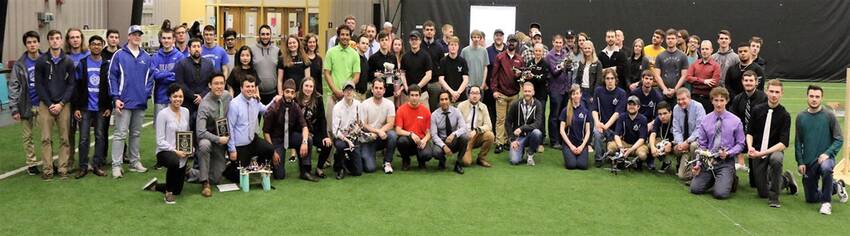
{"x":448,"y":123}
{"x":685,"y":127}
{"x":472,"y":122}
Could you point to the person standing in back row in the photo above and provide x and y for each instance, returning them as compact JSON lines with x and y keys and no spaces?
{"x":54,"y":83}
{"x":130,"y":84}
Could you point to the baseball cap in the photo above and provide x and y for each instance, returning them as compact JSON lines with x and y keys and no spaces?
{"x":134,"y":29}
{"x":633,"y":99}
{"x":414,"y":33}
{"x":499,"y":31}
{"x":348,"y":85}
{"x":536,"y":33}
{"x":534,"y":25}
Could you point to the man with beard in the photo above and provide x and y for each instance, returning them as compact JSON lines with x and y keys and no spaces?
{"x":294,"y":133}
{"x":266,"y":55}
{"x":735,"y":74}
{"x":505,"y":88}
{"x":612,"y":57}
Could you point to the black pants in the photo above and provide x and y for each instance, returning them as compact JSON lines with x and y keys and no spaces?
{"x":490,"y":102}
{"x":705,"y":101}
{"x":259,"y":148}
{"x":279,"y":170}
{"x":353,"y":163}
{"x":767,"y":175}
{"x":175,"y":175}
{"x":406,"y":147}
{"x":324,"y":153}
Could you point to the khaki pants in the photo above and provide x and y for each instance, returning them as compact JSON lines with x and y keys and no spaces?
{"x":684,"y":171}
{"x":502,"y":104}
{"x":46,"y":121}
{"x":484,"y":141}
{"x":641,"y":152}
{"x":26,"y":133}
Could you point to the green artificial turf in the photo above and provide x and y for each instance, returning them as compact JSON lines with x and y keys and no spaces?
{"x":504,"y":199}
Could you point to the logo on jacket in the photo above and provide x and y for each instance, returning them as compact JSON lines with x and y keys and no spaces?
{"x":459,"y":69}
{"x":636,"y":127}
{"x":581,"y":115}
{"x":615,"y":101}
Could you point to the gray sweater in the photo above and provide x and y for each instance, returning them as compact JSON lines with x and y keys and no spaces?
{"x":265,"y":63}
{"x":726,"y":60}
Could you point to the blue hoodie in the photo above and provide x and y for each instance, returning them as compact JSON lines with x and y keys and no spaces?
{"x":131,"y":78}
{"x":163,"y":72}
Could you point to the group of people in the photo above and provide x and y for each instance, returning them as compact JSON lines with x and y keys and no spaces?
{"x":707,"y":111}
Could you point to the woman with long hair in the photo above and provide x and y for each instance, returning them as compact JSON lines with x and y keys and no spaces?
{"x":169,"y":121}
{"x":314,"y":113}
{"x":311,"y":48}
{"x":637,"y":64}
{"x":589,"y":73}
{"x":293,"y":63}
{"x":575,"y":131}
{"x":244,"y":66}
{"x":397,"y":49}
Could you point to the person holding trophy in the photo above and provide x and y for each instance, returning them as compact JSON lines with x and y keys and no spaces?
{"x":173,"y":145}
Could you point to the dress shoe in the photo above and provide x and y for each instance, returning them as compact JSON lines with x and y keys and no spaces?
{"x":307,"y":176}
{"x":459,"y":168}
{"x":206,"y":191}
{"x":340,"y":174}
{"x":81,"y":173}
{"x":484,"y":163}
{"x":499,"y":149}
{"x":320,"y":173}
{"x":98,"y":172}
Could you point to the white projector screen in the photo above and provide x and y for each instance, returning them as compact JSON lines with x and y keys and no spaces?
{"x":489,"y":18}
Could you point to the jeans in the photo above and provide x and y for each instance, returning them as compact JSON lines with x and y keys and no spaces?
{"x":767,"y":175}
{"x":557,"y":102}
{"x":367,"y":150}
{"x":573,"y":161}
{"x":532,"y":141}
{"x":127,"y":122}
{"x":101,"y":128}
{"x":599,"y":142}
{"x":822,"y":172}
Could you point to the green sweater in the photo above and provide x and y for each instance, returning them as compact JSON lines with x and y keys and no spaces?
{"x":817,"y":133}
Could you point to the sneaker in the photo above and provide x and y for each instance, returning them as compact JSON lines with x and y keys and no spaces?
{"x":530,"y":160}
{"x":790,"y":182}
{"x":842,"y":191}
{"x":138,"y":168}
{"x":33,"y":170}
{"x":741,"y":168}
{"x":499,"y":149}
{"x":116,"y":172}
{"x":150,"y":186}
{"x":388,"y":168}
{"x":169,"y":198}
{"x":826,"y":208}
{"x":774,"y":204}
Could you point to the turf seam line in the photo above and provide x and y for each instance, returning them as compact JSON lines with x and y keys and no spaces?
{"x":736,"y":224}
{"x":24,"y":168}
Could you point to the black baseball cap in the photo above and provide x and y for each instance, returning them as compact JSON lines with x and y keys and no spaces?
{"x":570,"y":34}
{"x":414,"y":33}
{"x":534,"y":25}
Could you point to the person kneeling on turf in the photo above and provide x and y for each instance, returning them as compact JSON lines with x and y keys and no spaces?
{"x":661,"y":134}
{"x":448,"y":132}
{"x":630,"y":133}
{"x":286,"y":128}
{"x":481,"y":135}
{"x":721,"y":133}
{"x":170,"y":121}
{"x":524,"y":124}
{"x":575,"y":130}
